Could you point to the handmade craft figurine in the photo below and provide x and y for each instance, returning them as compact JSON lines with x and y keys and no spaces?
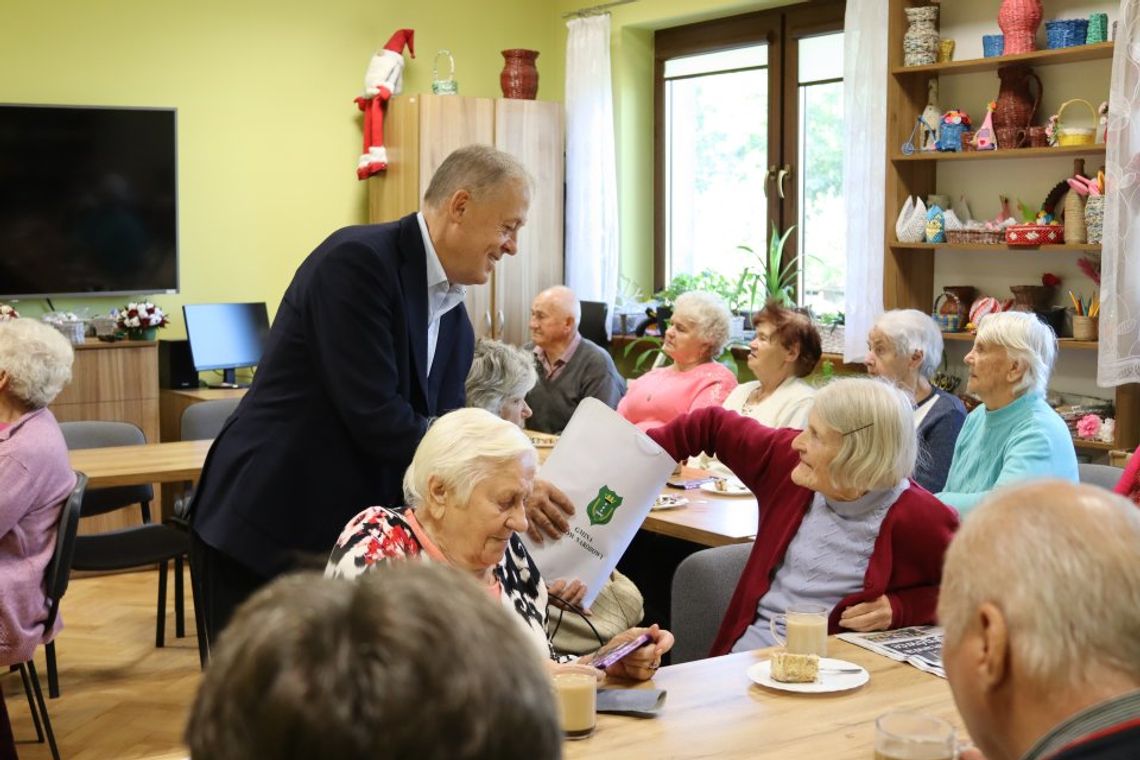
{"x":984,"y":137}
{"x":931,"y":117}
{"x":383,"y":79}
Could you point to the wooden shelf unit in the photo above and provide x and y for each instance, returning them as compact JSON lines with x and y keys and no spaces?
{"x":908,"y":268}
{"x":1062,"y":342}
{"x":996,"y":247}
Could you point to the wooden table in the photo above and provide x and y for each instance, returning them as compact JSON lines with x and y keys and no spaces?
{"x":708,"y":519}
{"x":714,"y":711}
{"x":147,"y":463}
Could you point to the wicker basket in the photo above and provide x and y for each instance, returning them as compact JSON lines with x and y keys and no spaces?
{"x":992,"y":45}
{"x":1094,"y":218}
{"x":831,"y":338}
{"x":1084,"y":327}
{"x":1068,"y":32}
{"x":1034,"y":234}
{"x":975,"y":237}
{"x":1070,"y":135}
{"x":1072,"y":413}
{"x":1098,"y":28}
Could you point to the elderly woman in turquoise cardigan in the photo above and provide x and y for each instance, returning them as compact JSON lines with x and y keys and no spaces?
{"x":1014,"y":434}
{"x":842,"y":523}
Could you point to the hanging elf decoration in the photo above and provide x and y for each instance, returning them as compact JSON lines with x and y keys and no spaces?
{"x":384,"y":78}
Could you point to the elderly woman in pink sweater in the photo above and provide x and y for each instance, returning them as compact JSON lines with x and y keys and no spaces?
{"x":35,"y":478}
{"x":697,"y":334}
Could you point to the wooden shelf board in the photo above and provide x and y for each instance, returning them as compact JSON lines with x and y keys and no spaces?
{"x":1096,"y":52}
{"x":1061,"y":342}
{"x":1080,"y":443}
{"x":998,"y":155}
{"x":1081,"y":247}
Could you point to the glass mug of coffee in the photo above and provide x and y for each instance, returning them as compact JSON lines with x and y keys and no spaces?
{"x":806,"y":626}
{"x":577,"y":703}
{"x":914,"y":736}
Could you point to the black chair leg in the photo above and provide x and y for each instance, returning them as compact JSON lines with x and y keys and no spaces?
{"x":179,"y":601}
{"x":199,"y":619}
{"x":31,"y":701}
{"x":145,"y":507}
{"x":160,"y":622}
{"x":53,"y":671}
{"x":43,"y":709}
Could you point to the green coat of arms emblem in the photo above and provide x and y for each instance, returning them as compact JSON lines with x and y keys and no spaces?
{"x":601,"y":509}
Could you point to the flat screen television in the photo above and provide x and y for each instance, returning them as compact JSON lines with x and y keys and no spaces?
{"x":88,"y":200}
{"x":226,"y":336}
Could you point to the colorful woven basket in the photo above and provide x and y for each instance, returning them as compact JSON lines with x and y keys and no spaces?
{"x":1034,"y":234}
{"x":992,"y":45}
{"x":1098,"y":28}
{"x":1068,"y":32}
{"x":1094,"y":218}
{"x":1070,"y":135}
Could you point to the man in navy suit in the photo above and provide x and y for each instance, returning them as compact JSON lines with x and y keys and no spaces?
{"x":370,"y":341}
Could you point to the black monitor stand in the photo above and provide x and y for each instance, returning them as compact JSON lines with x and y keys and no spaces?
{"x":229,"y":379}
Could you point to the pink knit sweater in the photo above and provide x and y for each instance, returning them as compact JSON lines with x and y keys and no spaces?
{"x":661,"y":394}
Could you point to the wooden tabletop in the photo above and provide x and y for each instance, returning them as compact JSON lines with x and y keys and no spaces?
{"x":708,"y":519}
{"x":146,"y":463}
{"x":713,"y":710}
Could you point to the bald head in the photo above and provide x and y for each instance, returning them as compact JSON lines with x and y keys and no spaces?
{"x":1060,"y":563}
{"x":554,"y":317}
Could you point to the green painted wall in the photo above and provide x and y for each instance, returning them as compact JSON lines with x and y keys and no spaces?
{"x":268,"y":133}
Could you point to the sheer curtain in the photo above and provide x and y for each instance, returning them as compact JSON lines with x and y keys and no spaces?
{"x":864,"y":167}
{"x":592,"y":253}
{"x":1119,"y":353}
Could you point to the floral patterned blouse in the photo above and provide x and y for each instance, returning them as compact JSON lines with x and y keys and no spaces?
{"x":379,"y":535}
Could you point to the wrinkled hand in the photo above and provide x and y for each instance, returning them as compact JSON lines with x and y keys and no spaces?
{"x":567,"y":594}
{"x":546,"y":511}
{"x":641,"y":664}
{"x":868,"y":616}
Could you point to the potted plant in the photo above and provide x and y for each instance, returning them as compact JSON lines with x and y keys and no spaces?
{"x":773,"y":280}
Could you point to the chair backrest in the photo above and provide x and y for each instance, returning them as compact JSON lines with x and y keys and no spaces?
{"x":1103,"y":475}
{"x":204,"y":420}
{"x":101,"y":434}
{"x":702,"y":588}
{"x":595,"y":315}
{"x":59,"y":570}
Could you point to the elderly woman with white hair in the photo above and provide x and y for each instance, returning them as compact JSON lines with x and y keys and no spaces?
{"x":500,"y":377}
{"x":466,"y":491}
{"x":35,"y":478}
{"x":842,"y":526}
{"x":905,"y":346}
{"x":1013,"y":434}
{"x":697,"y":334}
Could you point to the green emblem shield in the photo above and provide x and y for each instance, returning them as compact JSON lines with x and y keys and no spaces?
{"x":601,"y":509}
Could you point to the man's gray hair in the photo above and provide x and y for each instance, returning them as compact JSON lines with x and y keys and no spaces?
{"x":711,"y":318}
{"x":911,"y":330}
{"x":876,"y":420}
{"x":499,"y":371}
{"x":37,"y":359}
{"x":478,"y":169}
{"x":1062,"y":563}
{"x":1027,"y":340}
{"x":462,"y":448}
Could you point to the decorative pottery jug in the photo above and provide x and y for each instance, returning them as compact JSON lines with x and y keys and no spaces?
{"x":1016,"y":105}
{"x":520,"y":75}
{"x":1019,"y":20}
{"x":920,"y":43}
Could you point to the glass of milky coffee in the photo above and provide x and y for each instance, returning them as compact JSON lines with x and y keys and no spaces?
{"x":806,"y":629}
{"x":914,"y":736}
{"x":577,"y":703}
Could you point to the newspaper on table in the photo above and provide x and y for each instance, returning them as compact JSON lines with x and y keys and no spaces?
{"x":612,"y":472}
{"x":918,"y":645}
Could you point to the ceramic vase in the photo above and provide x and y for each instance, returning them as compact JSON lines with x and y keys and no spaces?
{"x":1019,"y":20}
{"x":920,"y":43}
{"x":520,"y":75}
{"x":142,"y":333}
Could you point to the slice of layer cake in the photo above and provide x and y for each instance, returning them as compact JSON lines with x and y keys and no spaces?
{"x":794,"y":668}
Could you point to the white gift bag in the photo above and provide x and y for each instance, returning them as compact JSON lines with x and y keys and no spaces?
{"x":612,"y":472}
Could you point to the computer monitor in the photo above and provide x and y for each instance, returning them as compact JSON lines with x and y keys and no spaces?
{"x":226,"y":336}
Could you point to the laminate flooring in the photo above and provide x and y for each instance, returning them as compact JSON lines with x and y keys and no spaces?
{"x":121,"y":697}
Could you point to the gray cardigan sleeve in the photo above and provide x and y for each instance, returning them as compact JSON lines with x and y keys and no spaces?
{"x":936,"y":437}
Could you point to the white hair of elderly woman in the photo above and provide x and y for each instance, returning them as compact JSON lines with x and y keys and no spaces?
{"x":1060,"y":561}
{"x":461,"y":448}
{"x":876,"y":420}
{"x":1027,"y":340}
{"x":711,"y":318}
{"x":911,"y":330}
{"x":499,"y":371}
{"x":37,"y":360}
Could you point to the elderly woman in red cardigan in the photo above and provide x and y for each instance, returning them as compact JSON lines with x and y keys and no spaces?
{"x":841,"y":522}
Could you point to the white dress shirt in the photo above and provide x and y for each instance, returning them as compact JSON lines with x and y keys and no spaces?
{"x":442,"y":296}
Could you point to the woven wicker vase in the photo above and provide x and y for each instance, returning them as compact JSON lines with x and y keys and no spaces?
{"x":1019,"y":20}
{"x":920,"y":43}
{"x":1094,"y":218}
{"x":1075,"y":229}
{"x":1031,"y":297}
{"x":1016,"y":105}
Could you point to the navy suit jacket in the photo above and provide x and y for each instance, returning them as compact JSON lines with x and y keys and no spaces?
{"x":339,"y":403}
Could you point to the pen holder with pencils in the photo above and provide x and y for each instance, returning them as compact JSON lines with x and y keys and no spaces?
{"x":1084,"y":327}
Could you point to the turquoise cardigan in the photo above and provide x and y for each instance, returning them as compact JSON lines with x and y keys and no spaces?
{"x":1024,"y":439}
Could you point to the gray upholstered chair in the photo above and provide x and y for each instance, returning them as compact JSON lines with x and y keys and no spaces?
{"x":204,"y":420}
{"x":1103,"y":475}
{"x":702,"y":589}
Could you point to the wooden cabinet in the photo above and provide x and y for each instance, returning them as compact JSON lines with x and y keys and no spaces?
{"x":421,"y":130}
{"x":909,"y":268}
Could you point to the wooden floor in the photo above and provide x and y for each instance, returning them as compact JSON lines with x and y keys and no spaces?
{"x":121,"y":696}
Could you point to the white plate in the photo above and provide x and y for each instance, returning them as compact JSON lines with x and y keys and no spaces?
{"x":761,"y":673}
{"x":665,"y":501}
{"x":731,"y":488}
{"x":542,"y":443}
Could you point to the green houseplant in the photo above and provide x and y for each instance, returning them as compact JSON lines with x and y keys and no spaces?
{"x":773,"y":279}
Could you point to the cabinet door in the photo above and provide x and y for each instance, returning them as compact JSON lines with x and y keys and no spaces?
{"x":531,"y":130}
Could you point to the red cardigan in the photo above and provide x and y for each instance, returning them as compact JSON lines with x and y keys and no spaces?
{"x":905,"y":564}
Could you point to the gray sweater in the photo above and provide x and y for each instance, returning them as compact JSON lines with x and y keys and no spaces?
{"x":937,"y":434}
{"x":590,"y":372}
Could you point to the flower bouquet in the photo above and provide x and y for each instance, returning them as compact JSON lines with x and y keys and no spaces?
{"x":8,"y":312}
{"x":141,"y":319}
